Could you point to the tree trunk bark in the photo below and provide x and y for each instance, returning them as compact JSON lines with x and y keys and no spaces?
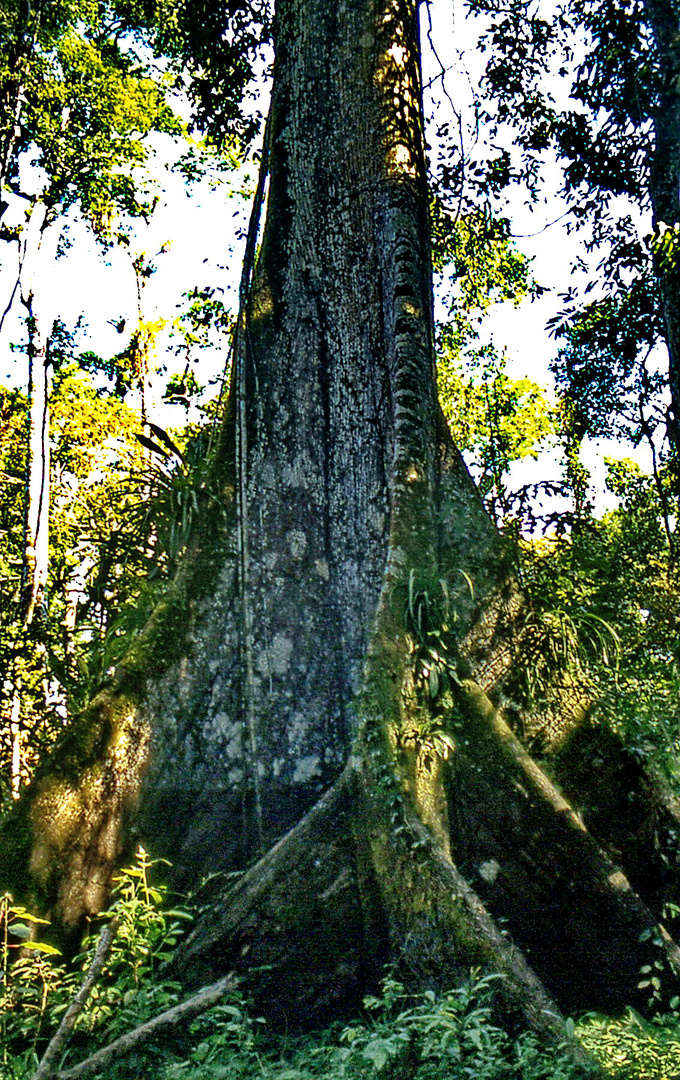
{"x":35,"y":554}
{"x":664,"y":20}
{"x":36,"y":533}
{"x":332,"y":612}
{"x":13,"y":90}
{"x":335,"y":359}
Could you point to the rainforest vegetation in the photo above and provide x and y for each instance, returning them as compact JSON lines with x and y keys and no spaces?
{"x":330,"y":745}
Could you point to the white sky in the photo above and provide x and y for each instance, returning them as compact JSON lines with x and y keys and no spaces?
{"x":198,"y":226}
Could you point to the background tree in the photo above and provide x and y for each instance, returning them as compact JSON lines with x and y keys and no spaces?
{"x":79,"y":98}
{"x":92,"y":451}
{"x":84,"y":112}
{"x":615,"y":137}
{"x":497,"y":420}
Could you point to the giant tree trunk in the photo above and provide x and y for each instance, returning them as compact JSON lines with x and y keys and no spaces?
{"x":309,"y":646}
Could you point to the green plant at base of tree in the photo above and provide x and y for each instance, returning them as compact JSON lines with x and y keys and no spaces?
{"x":454,"y":1035}
{"x":631,"y":1048}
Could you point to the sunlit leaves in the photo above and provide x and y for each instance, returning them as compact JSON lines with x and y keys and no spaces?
{"x":496,"y":419}
{"x":612,"y":589}
{"x":84,"y":97}
{"x":87,"y":119}
{"x":476,"y":251}
{"x":483,"y":404}
{"x":665,"y":245}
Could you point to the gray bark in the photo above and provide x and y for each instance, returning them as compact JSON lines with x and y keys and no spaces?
{"x":664,"y":20}
{"x":337,"y":355}
{"x":36,"y":534}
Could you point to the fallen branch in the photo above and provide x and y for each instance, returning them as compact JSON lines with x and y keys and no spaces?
{"x":61,"y":1036}
{"x":187,"y":1010}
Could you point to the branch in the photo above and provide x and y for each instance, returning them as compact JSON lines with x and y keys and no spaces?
{"x":63,"y":1032}
{"x":9,"y":303}
{"x":187,"y":1010}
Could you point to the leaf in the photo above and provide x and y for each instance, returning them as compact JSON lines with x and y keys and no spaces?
{"x":20,"y":930}
{"x":31,"y":918}
{"x":475,"y":1037}
{"x":43,"y":947}
{"x":379,"y":1051}
{"x":231,"y":1010}
{"x":151,"y":445}
{"x":433,"y":682}
{"x":165,"y":438}
{"x":468,"y":580}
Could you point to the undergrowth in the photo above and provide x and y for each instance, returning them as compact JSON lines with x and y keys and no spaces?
{"x":631,"y":1048}
{"x":455,"y":1035}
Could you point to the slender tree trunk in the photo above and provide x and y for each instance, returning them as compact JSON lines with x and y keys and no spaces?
{"x":17,"y":747}
{"x":36,"y":530}
{"x":664,"y":20}
{"x":35,"y":554}
{"x":13,"y":91}
{"x":34,"y":566}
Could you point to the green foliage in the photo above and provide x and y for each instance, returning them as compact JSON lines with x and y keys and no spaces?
{"x":30,"y":980}
{"x":665,"y":245}
{"x":80,"y":92}
{"x":134,"y":539}
{"x":37,"y":988}
{"x":147,"y":933}
{"x":13,"y":419}
{"x":123,"y":506}
{"x":479,"y":265}
{"x":587,"y":83}
{"x":495,"y":419}
{"x":600,"y":371}
{"x":477,"y":251}
{"x":91,"y":449}
{"x":129,"y":990}
{"x":605,"y":606}
{"x":76,"y":76}
{"x":106,"y":101}
{"x":453,"y":1035}
{"x":397,"y":1036}
{"x":120,"y":518}
{"x":430,"y":617}
{"x":204,"y":323}
{"x":213,"y":46}
{"x":630,"y":1048}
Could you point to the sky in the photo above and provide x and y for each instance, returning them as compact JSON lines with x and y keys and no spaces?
{"x":195,"y":234}
{"x":540,"y":232}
